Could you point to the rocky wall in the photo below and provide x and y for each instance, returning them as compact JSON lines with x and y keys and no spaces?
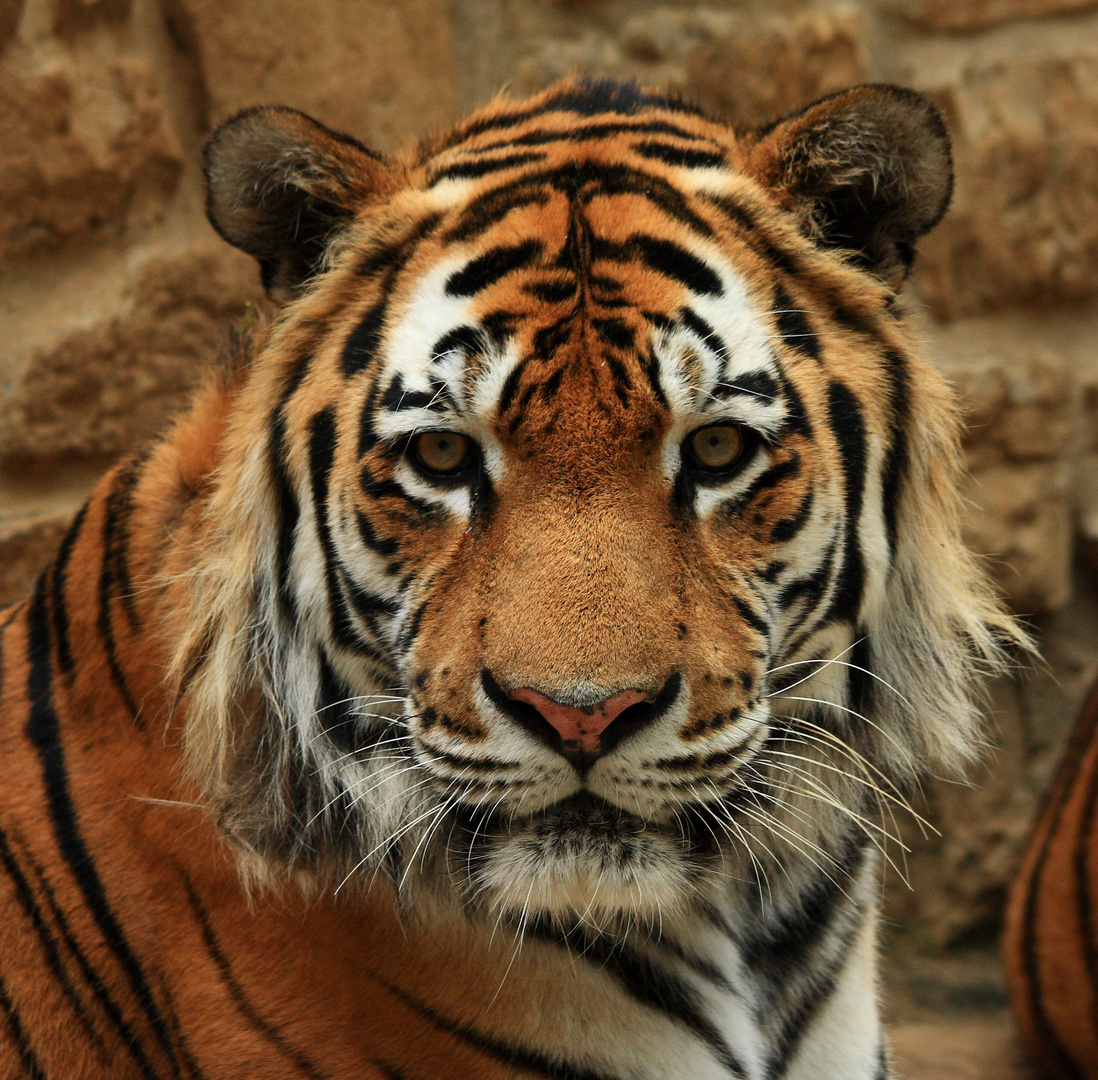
{"x":115,"y":294}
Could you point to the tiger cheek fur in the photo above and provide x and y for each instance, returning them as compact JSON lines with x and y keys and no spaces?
{"x":546,"y":605}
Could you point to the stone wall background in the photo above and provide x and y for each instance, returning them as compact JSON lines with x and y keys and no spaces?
{"x":115,"y":294}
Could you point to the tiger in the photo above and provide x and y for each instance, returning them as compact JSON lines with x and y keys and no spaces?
{"x":510,"y":662}
{"x":1049,"y":938}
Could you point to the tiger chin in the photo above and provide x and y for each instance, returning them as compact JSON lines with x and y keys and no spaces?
{"x":511,"y":663}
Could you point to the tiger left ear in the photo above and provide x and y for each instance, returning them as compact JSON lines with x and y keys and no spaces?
{"x":280,"y":186}
{"x":868,"y":170}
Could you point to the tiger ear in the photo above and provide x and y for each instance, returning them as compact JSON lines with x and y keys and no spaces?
{"x":868,"y":170}
{"x":280,"y":185}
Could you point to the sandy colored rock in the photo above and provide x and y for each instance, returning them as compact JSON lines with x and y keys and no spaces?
{"x":1021,"y":416}
{"x":1023,"y":228}
{"x":79,"y":16}
{"x":11,"y":11}
{"x":955,"y":15}
{"x":103,"y":389}
{"x":376,"y":69}
{"x":86,"y":144}
{"x":26,"y":546}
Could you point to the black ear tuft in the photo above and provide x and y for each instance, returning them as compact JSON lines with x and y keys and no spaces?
{"x":868,"y":169}
{"x":280,"y":185}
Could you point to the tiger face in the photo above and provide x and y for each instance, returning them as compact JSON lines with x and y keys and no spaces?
{"x":604,"y":495}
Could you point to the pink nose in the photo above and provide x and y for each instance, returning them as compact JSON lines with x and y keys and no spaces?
{"x":580,"y":729}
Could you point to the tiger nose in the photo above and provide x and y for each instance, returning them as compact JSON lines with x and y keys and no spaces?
{"x":580,"y":729}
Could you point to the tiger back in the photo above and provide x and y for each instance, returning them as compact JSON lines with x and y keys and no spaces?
{"x":510,"y":663}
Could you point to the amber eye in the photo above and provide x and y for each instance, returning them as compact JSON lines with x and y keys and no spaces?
{"x":443,"y":452}
{"x":717,"y":447}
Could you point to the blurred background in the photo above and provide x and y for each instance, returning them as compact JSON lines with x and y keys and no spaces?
{"x":115,"y":297}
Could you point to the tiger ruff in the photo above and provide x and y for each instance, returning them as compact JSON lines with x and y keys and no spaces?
{"x":507,"y":666}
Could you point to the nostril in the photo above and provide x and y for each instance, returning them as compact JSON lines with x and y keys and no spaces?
{"x":579,"y":728}
{"x":582,"y":734}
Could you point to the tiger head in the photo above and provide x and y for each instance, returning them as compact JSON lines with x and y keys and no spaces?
{"x":585,"y":535}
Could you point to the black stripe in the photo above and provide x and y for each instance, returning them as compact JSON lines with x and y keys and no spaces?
{"x":467,"y":170}
{"x":43,"y":729}
{"x":397,"y":398}
{"x":848,"y":426}
{"x":493,"y":206}
{"x":771,"y":478}
{"x":860,"y":673}
{"x":105,"y":620}
{"x":895,"y":466}
{"x":386,"y":546}
{"x":95,"y":984}
{"x":287,"y":508}
{"x":1084,"y":903}
{"x":812,"y":588}
{"x":696,"y":324}
{"x":120,"y":506}
{"x":362,"y":343}
{"x":808,"y":1007}
{"x":322,"y":445}
{"x":1082,"y":738}
{"x":645,"y":982}
{"x":794,"y":327}
{"x":464,"y":339}
{"x":32,"y":1069}
{"x":615,"y":333}
{"x":487,"y":269}
{"x":679,"y":156}
{"x":240,"y":999}
{"x":788,"y":528}
{"x":59,"y":604}
{"x":585,"y":105}
{"x":796,"y":418}
{"x":753,"y":619}
{"x":25,"y":895}
{"x":334,"y":708}
{"x":673,"y":261}
{"x":498,"y":1051}
{"x":760,"y":385}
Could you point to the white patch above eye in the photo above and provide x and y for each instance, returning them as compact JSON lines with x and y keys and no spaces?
{"x":712,"y":363}
{"x":428,"y":316}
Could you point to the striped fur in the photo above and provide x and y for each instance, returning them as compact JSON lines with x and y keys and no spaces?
{"x":1051,"y":944}
{"x":269,"y":805}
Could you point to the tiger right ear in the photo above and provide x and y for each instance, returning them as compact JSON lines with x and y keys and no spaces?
{"x":280,"y":186}
{"x":867,"y":170}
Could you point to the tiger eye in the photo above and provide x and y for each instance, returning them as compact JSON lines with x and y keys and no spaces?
{"x":441,"y":451}
{"x":717,"y":447}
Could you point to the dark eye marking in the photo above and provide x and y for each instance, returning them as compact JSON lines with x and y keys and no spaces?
{"x":490,"y":267}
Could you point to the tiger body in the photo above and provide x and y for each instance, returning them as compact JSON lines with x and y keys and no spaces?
{"x":498,"y":671}
{"x":1051,"y":947}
